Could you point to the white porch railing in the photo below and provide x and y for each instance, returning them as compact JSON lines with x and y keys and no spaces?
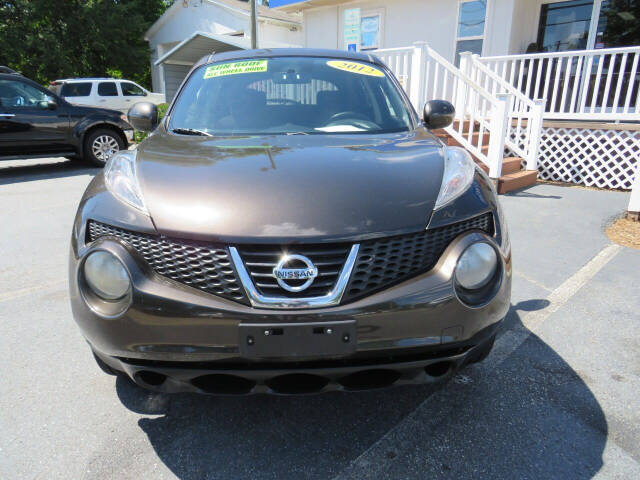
{"x":634,"y":199}
{"x":524,"y":122}
{"x":579,"y":85}
{"x":495,"y":109}
{"x":478,"y":113}
{"x":399,"y":61}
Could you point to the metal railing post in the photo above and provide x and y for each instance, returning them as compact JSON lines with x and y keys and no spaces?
{"x":254,"y":25}
{"x":537,"y":115}
{"x":633,"y":211}
{"x":418,"y":69}
{"x":461,"y":90}
{"x":499,"y":126}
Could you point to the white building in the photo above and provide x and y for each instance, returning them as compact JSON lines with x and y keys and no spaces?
{"x":485,"y":27}
{"x":191,"y":29}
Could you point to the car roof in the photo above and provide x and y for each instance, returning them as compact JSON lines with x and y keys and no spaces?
{"x":5,"y":69}
{"x":16,"y":76}
{"x":21,"y":78}
{"x":92,"y":79}
{"x":288,"y":52}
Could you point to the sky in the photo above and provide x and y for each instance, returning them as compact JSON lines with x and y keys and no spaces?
{"x":278,"y":3}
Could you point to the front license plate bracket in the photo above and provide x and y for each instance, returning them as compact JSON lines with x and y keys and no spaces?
{"x":297,"y":340}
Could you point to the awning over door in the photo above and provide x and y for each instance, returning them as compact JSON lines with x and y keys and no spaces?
{"x":199,"y":44}
{"x":178,"y":61}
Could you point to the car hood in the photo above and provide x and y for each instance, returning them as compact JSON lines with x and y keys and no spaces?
{"x":290,"y":188}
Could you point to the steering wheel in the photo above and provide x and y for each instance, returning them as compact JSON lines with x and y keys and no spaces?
{"x":284,"y":101}
{"x":349,"y":114}
{"x":354,"y":119}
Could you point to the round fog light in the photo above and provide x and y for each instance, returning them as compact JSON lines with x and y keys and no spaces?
{"x":476,"y":266}
{"x":106,"y":276}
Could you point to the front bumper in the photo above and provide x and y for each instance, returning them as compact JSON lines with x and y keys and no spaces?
{"x":175,"y":338}
{"x":224,"y":378}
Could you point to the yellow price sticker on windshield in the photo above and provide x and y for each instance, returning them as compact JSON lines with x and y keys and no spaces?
{"x":249,"y":66}
{"x":355,"y":67}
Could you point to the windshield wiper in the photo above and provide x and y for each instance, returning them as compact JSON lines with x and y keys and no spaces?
{"x":191,"y":131}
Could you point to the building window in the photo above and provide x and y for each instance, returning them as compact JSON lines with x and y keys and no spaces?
{"x":472,"y":15}
{"x":370,"y":31}
{"x":564,"y":25}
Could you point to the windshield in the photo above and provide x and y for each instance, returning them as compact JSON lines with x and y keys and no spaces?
{"x":286,"y":95}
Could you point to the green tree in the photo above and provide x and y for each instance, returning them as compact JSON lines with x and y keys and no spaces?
{"x":49,"y":39}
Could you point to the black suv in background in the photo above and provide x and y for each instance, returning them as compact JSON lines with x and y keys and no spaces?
{"x":35,"y":122}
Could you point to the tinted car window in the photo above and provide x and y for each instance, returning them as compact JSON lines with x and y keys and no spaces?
{"x":19,"y":94}
{"x":76,"y":89}
{"x":131,"y":90}
{"x":290,"y":94}
{"x":107,"y":89}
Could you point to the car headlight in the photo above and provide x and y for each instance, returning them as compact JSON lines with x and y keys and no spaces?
{"x":476,"y":266}
{"x":106,"y":276}
{"x":459,"y":170}
{"x":121,"y":179}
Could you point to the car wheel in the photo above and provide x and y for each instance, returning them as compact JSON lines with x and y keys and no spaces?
{"x":484,"y":350}
{"x":104,"y":367}
{"x":100,"y":145}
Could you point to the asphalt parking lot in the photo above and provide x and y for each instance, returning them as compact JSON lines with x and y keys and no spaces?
{"x":557,"y":398}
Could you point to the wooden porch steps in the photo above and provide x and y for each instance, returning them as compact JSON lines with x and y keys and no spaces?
{"x":511,"y":165}
{"x":513,"y":176}
{"x":452,"y":142}
{"x":517,"y":180}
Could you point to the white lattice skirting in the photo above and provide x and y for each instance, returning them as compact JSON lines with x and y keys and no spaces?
{"x":595,"y":158}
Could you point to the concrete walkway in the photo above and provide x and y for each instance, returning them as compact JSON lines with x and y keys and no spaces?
{"x":558,"y":397}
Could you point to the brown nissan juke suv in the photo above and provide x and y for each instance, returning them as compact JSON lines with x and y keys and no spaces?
{"x":290,"y":226}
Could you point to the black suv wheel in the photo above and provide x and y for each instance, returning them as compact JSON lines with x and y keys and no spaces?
{"x":101,"y":144}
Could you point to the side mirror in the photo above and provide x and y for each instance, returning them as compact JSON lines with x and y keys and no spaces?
{"x":48,"y":104}
{"x":438,"y":114}
{"x":143,"y":116}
